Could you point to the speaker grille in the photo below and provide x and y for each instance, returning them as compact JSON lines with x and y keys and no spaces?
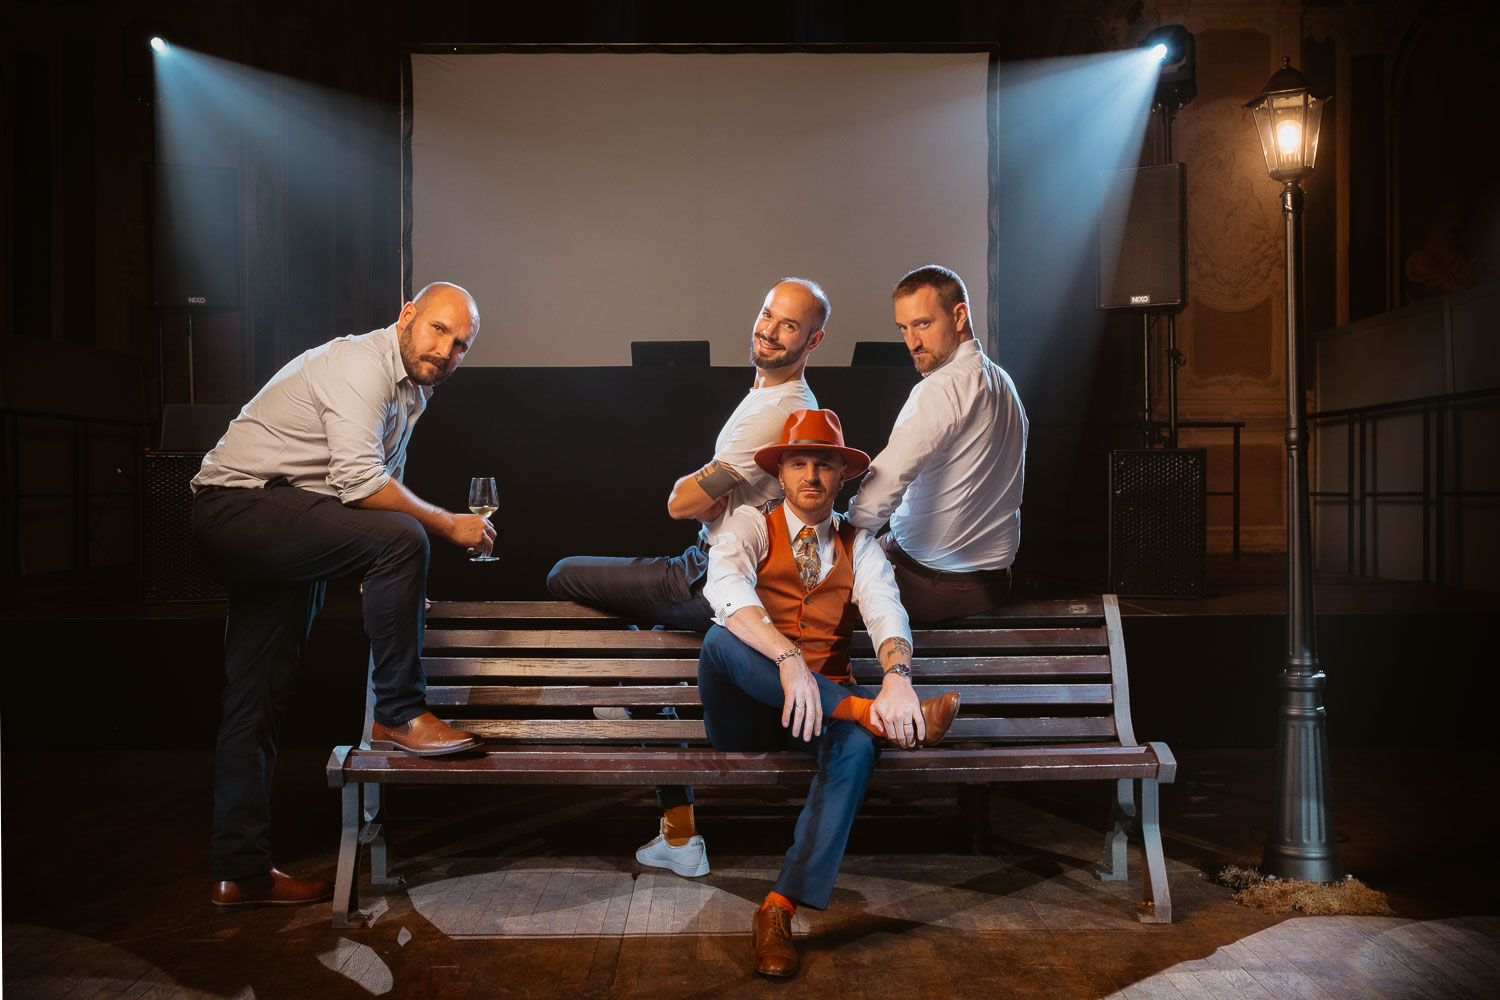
{"x":1157,"y":522}
{"x":172,"y":570}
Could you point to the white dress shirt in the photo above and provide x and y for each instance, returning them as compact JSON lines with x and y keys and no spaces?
{"x":950,"y":478}
{"x":741,"y":541}
{"x":335,"y":420}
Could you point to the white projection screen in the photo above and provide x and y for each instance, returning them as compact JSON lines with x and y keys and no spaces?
{"x":593,"y":198}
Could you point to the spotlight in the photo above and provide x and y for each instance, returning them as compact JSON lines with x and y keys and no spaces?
{"x":1174,"y":47}
{"x":159,"y":45}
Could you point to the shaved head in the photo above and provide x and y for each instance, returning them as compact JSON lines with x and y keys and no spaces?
{"x":442,"y":291}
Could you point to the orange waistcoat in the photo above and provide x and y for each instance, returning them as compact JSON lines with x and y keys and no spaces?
{"x":822,"y":620}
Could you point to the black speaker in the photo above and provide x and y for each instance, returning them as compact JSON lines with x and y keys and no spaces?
{"x":1157,"y":522}
{"x":195,"y":237}
{"x":170,"y":567}
{"x":1142,"y":242}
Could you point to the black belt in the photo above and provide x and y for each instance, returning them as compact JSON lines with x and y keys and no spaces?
{"x":899,"y":555}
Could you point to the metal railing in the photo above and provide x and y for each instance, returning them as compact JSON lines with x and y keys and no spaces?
{"x":1360,"y":421}
{"x":1234,"y":490}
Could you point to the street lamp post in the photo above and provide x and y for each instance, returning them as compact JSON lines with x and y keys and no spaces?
{"x":1300,"y":844}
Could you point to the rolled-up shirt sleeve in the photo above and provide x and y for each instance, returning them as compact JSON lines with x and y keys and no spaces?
{"x":354,"y":404}
{"x":735,"y":550}
{"x":876,"y":594}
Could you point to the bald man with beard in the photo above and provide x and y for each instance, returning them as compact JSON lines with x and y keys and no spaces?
{"x":306,"y":486}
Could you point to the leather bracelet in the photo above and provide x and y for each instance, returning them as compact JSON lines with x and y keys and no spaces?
{"x":794,"y":651}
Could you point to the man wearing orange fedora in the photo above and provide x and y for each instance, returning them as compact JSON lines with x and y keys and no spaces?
{"x":785,"y":580}
{"x":668,"y":590}
{"x":951,"y":476}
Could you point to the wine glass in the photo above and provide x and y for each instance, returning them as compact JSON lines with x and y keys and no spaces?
{"x":484,"y":500}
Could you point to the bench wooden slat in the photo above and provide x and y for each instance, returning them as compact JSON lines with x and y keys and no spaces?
{"x":686,"y":668}
{"x":655,"y":730}
{"x":679,"y":694}
{"x":626,"y":642}
{"x":616,"y":766}
{"x":1085,"y":609}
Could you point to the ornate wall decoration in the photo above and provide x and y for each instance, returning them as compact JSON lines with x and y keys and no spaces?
{"x":1234,"y":222}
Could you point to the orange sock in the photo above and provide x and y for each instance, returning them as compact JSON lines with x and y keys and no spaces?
{"x":678,"y":825}
{"x":777,"y":899}
{"x":855,"y":709}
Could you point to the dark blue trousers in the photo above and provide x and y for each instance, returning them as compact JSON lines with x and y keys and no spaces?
{"x":272,"y":549}
{"x":742,"y":701}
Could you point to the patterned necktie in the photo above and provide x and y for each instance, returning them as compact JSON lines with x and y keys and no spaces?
{"x":805,"y":551}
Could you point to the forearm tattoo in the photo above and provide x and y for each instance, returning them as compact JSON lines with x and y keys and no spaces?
{"x":897,"y":647}
{"x":717,"y":479}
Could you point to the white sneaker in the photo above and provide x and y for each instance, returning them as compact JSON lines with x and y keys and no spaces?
{"x":690,"y":860}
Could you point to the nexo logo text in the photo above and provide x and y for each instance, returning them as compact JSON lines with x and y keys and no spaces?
{"x":1140,"y":300}
{"x":196,"y":300}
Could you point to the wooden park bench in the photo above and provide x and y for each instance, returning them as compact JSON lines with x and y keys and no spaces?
{"x":1045,"y":698}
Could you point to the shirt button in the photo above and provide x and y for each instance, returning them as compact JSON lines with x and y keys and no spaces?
{"x":807,"y":600}
{"x":802,"y":624}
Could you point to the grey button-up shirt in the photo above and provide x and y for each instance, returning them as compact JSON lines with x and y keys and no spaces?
{"x":335,"y":420}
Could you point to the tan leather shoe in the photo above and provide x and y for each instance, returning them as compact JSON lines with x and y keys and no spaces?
{"x":424,"y":736}
{"x":938,"y":713}
{"x":774,"y":953}
{"x":274,"y":888}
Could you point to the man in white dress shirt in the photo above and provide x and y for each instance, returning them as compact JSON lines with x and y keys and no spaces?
{"x":306,"y":486}
{"x":951,"y":476}
{"x":789,"y":582}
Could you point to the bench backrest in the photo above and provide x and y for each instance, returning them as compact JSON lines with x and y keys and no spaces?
{"x":526,"y":673}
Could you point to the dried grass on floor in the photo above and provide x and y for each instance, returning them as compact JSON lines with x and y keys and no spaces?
{"x":1349,"y":897}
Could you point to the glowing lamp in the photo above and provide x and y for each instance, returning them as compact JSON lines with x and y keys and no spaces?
{"x":159,"y":45}
{"x":1159,"y":51}
{"x":1287,"y":115}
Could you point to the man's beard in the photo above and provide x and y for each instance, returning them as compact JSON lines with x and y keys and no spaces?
{"x":787,"y":359}
{"x":409,"y":358}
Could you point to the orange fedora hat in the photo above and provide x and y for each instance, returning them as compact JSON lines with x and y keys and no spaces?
{"x":812,"y":430}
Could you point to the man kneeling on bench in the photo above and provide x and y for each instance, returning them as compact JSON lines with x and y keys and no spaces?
{"x":788,"y":582}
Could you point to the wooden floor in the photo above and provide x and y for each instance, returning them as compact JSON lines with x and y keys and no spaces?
{"x":534,"y":893}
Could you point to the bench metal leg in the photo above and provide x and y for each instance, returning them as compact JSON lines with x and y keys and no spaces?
{"x":346,"y":884}
{"x":374,"y":833}
{"x":1122,"y":824}
{"x":1156,"y":897}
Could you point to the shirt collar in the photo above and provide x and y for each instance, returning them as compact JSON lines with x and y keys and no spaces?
{"x":966,"y":349}
{"x":795,"y":524}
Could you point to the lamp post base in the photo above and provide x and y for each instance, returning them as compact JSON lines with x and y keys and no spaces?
{"x":1301,"y":844}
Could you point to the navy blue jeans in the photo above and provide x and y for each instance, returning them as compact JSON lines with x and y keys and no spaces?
{"x":273,"y":549}
{"x":742,"y":701}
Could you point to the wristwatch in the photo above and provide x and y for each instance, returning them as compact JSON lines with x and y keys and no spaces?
{"x":904,"y":669}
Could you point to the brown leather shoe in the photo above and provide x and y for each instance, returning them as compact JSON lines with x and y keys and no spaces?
{"x":274,"y":888}
{"x":424,"y":736}
{"x":938,"y":713}
{"x":774,"y":954}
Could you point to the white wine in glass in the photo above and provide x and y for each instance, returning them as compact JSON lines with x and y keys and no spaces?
{"x":484,"y":500}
